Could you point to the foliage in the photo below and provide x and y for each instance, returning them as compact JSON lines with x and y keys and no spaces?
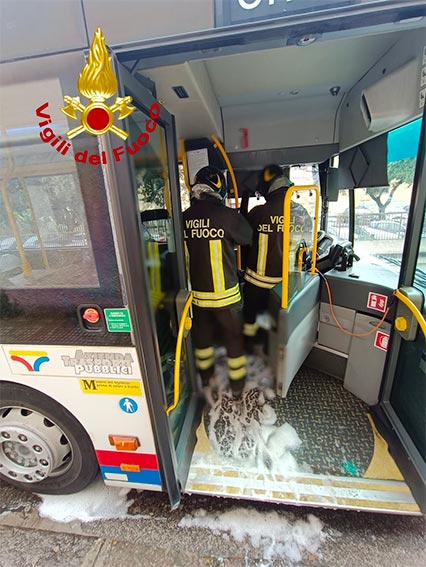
{"x":376,"y":193}
{"x":53,"y":201}
{"x":150,"y":187}
{"x":401,"y":171}
{"x":184,"y":193}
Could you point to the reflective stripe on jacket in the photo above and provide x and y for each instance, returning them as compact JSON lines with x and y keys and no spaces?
{"x":264,"y":265}
{"x":211,"y":232}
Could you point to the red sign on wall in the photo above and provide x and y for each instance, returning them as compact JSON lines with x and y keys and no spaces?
{"x":381,"y":341}
{"x":377,"y":301}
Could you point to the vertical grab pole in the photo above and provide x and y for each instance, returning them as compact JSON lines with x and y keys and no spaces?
{"x":316,"y":222}
{"x":184,"y":163}
{"x":286,"y":247}
{"x":26,"y":266}
{"x":221,"y":149}
{"x":35,"y":223}
{"x":164,"y":173}
{"x":286,"y":236}
{"x":219,"y":146}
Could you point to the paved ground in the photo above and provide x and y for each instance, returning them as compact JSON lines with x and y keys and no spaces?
{"x":155,"y":540}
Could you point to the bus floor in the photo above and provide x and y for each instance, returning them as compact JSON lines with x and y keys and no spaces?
{"x":317,"y":447}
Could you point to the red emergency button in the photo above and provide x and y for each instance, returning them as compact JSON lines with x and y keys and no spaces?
{"x":91,"y":315}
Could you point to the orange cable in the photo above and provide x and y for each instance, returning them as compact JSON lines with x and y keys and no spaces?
{"x":379,"y":324}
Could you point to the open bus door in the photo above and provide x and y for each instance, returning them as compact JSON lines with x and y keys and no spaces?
{"x":128,"y":174}
{"x":143,"y":186}
{"x":404,"y":398}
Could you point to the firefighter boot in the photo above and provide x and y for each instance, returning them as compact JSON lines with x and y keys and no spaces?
{"x":204,"y":361}
{"x":205,"y":376}
{"x":250,"y":331}
{"x":237,"y":387}
{"x":248,"y":344}
{"x":237,"y":374}
{"x":261,"y":340}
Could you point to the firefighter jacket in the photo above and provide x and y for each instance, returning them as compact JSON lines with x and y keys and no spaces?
{"x":211,"y":231}
{"x":264,"y":264}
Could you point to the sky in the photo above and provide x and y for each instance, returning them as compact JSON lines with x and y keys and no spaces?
{"x":404,"y":141}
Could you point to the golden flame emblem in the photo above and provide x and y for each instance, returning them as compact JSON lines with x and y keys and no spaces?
{"x":98,"y":83}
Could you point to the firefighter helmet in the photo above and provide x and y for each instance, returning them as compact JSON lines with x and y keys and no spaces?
{"x":268,"y":175}
{"x":214,"y":178}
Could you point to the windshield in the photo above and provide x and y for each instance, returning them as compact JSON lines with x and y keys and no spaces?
{"x":381,"y":213}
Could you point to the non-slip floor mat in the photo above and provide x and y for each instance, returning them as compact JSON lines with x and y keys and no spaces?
{"x":332,"y":424}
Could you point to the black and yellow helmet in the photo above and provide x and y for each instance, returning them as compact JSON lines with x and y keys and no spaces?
{"x":214,"y":178}
{"x":268,"y":175}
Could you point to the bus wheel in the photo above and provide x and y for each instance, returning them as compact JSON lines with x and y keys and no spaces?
{"x":43,"y":448}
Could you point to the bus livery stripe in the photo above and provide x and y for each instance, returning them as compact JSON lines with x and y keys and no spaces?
{"x":117,"y":458}
{"x":28,"y":353}
{"x":141,"y":477}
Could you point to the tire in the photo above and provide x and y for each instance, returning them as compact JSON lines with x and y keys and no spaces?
{"x":43,"y":448}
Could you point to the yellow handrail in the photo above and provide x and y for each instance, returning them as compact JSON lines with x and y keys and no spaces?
{"x":416,"y":312}
{"x":35,"y":223}
{"x":286,"y":236}
{"x":154,"y":271}
{"x":185,"y":324}
{"x":164,"y":172}
{"x":26,"y":266}
{"x":219,"y":146}
{"x":184,"y":163}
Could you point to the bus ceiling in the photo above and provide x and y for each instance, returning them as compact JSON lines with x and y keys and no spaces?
{"x":297,"y":103}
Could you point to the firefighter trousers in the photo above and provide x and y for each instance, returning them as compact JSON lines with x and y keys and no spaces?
{"x":255,"y":301}
{"x":227,"y":324}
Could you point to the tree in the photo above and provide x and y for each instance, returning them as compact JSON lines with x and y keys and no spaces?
{"x":53,"y":202}
{"x":401,"y":171}
{"x":376,"y":193}
{"x":150,"y":184}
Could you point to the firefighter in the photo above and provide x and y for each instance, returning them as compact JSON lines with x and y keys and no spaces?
{"x":264,"y":260}
{"x":211,"y":231}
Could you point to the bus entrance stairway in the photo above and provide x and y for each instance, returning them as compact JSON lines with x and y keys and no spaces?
{"x":317,"y":446}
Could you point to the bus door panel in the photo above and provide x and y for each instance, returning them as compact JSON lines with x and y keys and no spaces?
{"x":404,"y":394}
{"x":143,"y":184}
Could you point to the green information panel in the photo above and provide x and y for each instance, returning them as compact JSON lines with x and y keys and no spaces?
{"x":118,"y":320}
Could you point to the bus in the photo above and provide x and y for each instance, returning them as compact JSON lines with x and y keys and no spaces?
{"x":108,"y":110}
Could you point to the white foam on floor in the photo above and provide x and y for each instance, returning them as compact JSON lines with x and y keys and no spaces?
{"x":276,"y":535}
{"x":243,"y":433}
{"x":96,"y":502}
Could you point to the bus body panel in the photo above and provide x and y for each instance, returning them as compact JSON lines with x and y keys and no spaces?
{"x":61,"y":27}
{"x":102,"y":387}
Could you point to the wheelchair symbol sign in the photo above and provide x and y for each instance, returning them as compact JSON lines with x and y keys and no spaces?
{"x":128,"y":405}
